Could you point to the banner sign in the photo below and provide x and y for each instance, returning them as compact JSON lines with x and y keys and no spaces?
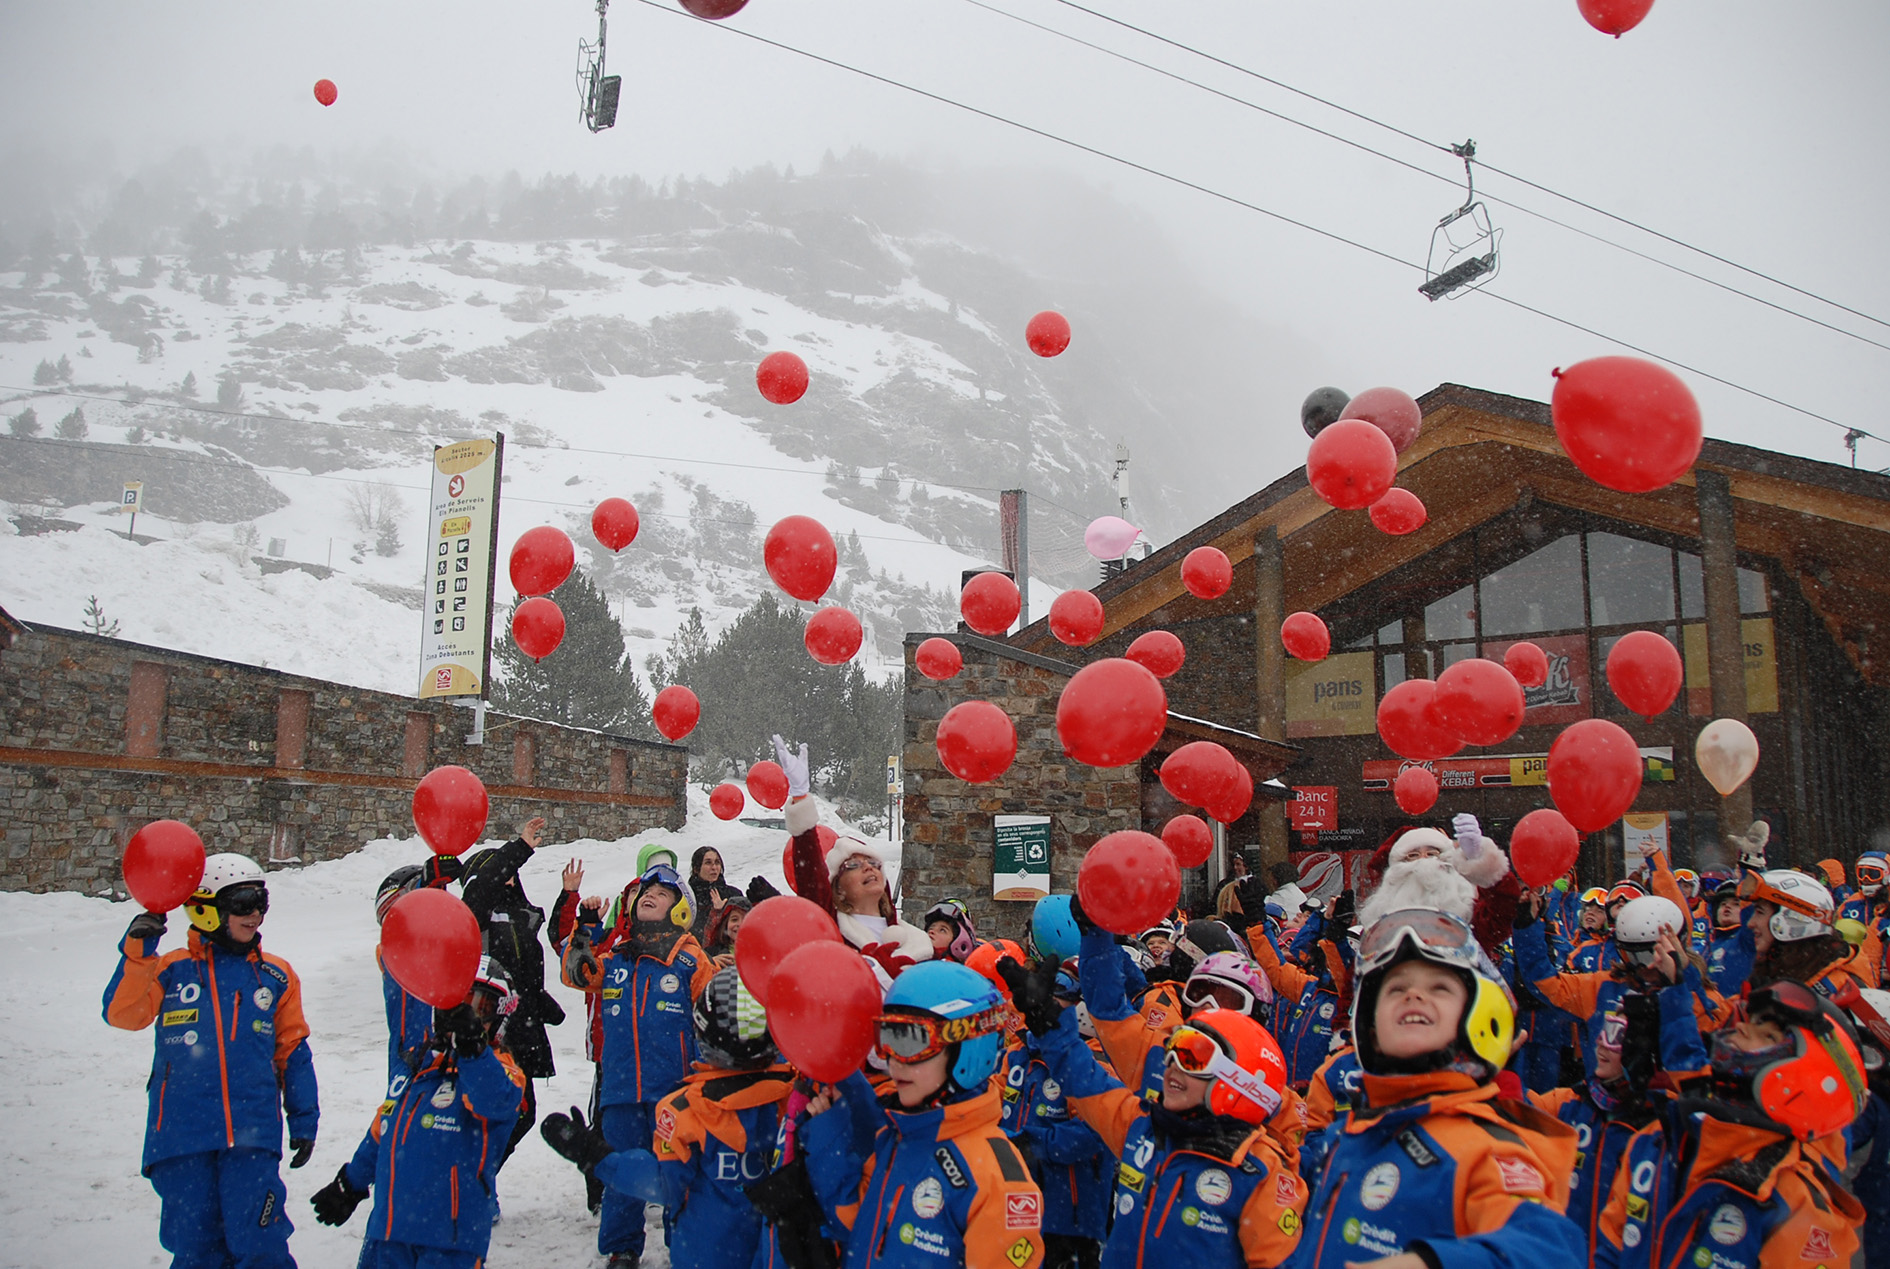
{"x":1020,"y":863}
{"x":462,"y":547}
{"x":1499,"y":772}
{"x":1334,"y":697}
{"x":1643,"y":833}
{"x":1313,"y":808}
{"x":1563,"y":697}
{"x":1761,"y":667}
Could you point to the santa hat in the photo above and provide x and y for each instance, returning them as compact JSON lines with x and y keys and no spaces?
{"x":1483,"y":870}
{"x":1451,"y":884}
{"x":845,"y":848}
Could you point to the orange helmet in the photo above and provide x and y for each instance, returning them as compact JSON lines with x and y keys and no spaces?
{"x":984,"y":959}
{"x":1833,"y":871}
{"x":1624,"y":891}
{"x":1239,"y":1055}
{"x":1812,"y":1083}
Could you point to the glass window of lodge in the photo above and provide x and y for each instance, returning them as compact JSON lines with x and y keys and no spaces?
{"x":1630,"y":582}
{"x":1452,"y":617}
{"x":1541,"y":591}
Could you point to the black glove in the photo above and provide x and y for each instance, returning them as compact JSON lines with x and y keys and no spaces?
{"x":1252,"y":893}
{"x":1082,"y":920}
{"x":460,"y":1029}
{"x":759,"y":889}
{"x":303,"y":1148}
{"x":576,"y":1140}
{"x":335,"y":1202}
{"x":584,"y":966}
{"x":785,"y":1198}
{"x":1033,"y":992}
{"x":147,"y":925}
{"x":550,"y":1012}
{"x":1180,"y":966}
{"x":1344,"y":912}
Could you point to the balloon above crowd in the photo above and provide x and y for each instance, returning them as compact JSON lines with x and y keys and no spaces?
{"x":1111,"y":713}
{"x":801,"y":557}
{"x":833,"y":635}
{"x":1076,"y":618}
{"x":1415,"y":790}
{"x":1351,"y":464}
{"x":163,"y":863}
{"x":1543,"y":847}
{"x":989,"y":603}
{"x":1159,"y":652}
{"x":1645,"y":672}
{"x":538,"y":627}
{"x":450,"y":809}
{"x":541,"y":560}
{"x":1479,"y":701}
{"x":1109,"y":537}
{"x":1048,"y":333}
{"x":726,"y":801}
{"x":430,"y":945}
{"x":614,"y":523}
{"x":1626,"y":423}
{"x":938,"y":658}
{"x":781,"y":378}
{"x":1594,"y":773}
{"x":776,"y":926}
{"x":976,"y":741}
{"x":768,"y":784}
{"x":1305,"y":637}
{"x":1390,"y":411}
{"x":1200,"y":773}
{"x":1191,"y":840}
{"x":822,"y":1001}
{"x":1409,"y":726}
{"x":1399,"y":512}
{"x":1128,"y":881}
{"x":675,"y":712}
{"x":326,"y":92}
{"x":1528,"y":663}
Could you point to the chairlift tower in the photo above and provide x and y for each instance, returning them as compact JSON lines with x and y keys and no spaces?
{"x":597,"y":92}
{"x":1463,"y":252}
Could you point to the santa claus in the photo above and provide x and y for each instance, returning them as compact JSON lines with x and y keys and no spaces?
{"x":1467,"y":876}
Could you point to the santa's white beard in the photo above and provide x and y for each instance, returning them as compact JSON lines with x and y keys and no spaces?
{"x":1430,"y":882}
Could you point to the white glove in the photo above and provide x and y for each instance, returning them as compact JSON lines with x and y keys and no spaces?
{"x":1469,"y":834}
{"x":798,"y":784}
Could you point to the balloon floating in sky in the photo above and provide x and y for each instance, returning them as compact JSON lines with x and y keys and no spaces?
{"x":989,"y":603}
{"x":1399,"y":512}
{"x":781,"y":377}
{"x":1351,"y":464}
{"x":614,"y":523}
{"x":538,"y":627}
{"x":1728,"y":754}
{"x":1076,"y":618}
{"x":1594,"y":772}
{"x":1109,"y":537}
{"x":449,"y":809}
{"x":1191,"y":840}
{"x":714,"y":10}
{"x":1543,"y":846}
{"x":676,"y":711}
{"x":1390,"y":411}
{"x":1048,"y":333}
{"x":326,"y":92}
{"x":1200,"y":773}
{"x":938,"y":658}
{"x":1159,"y":652}
{"x":1645,"y":672}
{"x":1305,"y":636}
{"x":1627,"y":423}
{"x":1480,"y":701}
{"x":1322,"y":408}
{"x":1409,"y":726}
{"x":1614,"y":17}
{"x":1111,"y":713}
{"x":1207,"y":573}
{"x":1128,"y":881}
{"x":541,"y":559}
{"x":800,"y":556}
{"x":976,"y":741}
{"x":768,"y":785}
{"x":727,"y":801}
{"x":1415,"y":790}
{"x":833,"y":635}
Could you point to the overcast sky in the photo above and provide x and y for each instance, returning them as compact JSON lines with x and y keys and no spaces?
{"x":1753,"y":129}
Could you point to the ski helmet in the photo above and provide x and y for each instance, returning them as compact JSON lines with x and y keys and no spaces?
{"x":1229,"y":981}
{"x":984,"y":958}
{"x":1053,"y":929}
{"x":1801,"y":908}
{"x":681,"y":913}
{"x":1640,"y":922}
{"x":237,"y":874}
{"x":1689,"y":881}
{"x":1202,"y":938}
{"x":1812,"y":1083}
{"x":492,"y":997}
{"x":952,"y":994}
{"x":394,"y":885}
{"x":1241,"y":1058}
{"x":732,"y":1026}
{"x":1873,"y":869}
{"x":1160,"y":930}
{"x":1487,"y":1030}
{"x":954,"y":913}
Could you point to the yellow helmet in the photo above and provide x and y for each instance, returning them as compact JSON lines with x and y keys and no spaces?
{"x":1487,"y":1033}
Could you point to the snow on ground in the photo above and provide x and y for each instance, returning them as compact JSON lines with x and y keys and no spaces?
{"x":73,"y":1100}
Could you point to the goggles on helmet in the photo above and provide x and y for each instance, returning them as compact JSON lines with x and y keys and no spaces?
{"x":1613,"y":1031}
{"x":1442,"y":937}
{"x":1596,"y":895}
{"x":1872,"y":872}
{"x":245,"y":900}
{"x":661,"y":874}
{"x":1754,"y":889}
{"x":1216,"y":993}
{"x":1195,"y":1052}
{"x":914,"y":1037}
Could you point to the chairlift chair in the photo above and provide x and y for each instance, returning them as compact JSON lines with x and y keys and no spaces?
{"x":597,"y":92}
{"x":1463,"y":252}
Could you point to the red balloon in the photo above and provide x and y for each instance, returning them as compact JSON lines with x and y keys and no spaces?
{"x":1111,"y":713}
{"x":1528,"y":663}
{"x":1390,"y":411}
{"x":676,"y":711}
{"x":938,"y":658}
{"x":1613,"y":17}
{"x":1306,"y":637}
{"x":163,"y":864}
{"x":538,"y":627}
{"x":1128,"y":881}
{"x":1351,"y":464}
{"x":976,"y":741}
{"x":827,"y":838}
{"x":541,"y":559}
{"x":1076,"y":618}
{"x":800,"y":556}
{"x":1159,"y":652}
{"x":782,"y":378}
{"x":430,"y":944}
{"x":1543,"y":847}
{"x":1410,"y":727}
{"x":1628,"y":424}
{"x":326,"y":92}
{"x":1200,"y":773}
{"x":1645,"y":672}
{"x":1480,"y":701}
{"x":823,"y":1003}
{"x":1594,"y":772}
{"x":767,"y":784}
{"x":1048,"y":333}
{"x":1236,"y":803}
{"x":1191,"y":840}
{"x":1415,"y":789}
{"x":714,"y":10}
{"x":449,"y":810}
{"x":775,"y":927}
{"x":614,"y":523}
{"x":1399,"y":512}
{"x":726,"y":801}
{"x":833,"y":635}
{"x":989,"y":603}
{"x":1206,"y":572}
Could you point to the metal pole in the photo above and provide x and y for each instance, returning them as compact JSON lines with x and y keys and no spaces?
{"x":1023,"y":554}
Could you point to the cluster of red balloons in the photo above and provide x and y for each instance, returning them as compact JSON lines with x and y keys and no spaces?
{"x":676,"y":711}
{"x":1111,"y":713}
{"x":1305,"y":637}
{"x":1614,"y":17}
{"x":163,"y":864}
{"x":614,"y":523}
{"x":726,"y":800}
{"x":801,"y":557}
{"x":1048,"y":333}
{"x":938,"y":658}
{"x":781,"y":378}
{"x":820,"y":996}
{"x":1474,"y":702}
{"x":1076,"y":618}
{"x":450,"y":809}
{"x":989,"y":603}
{"x":1158,"y":652}
{"x":976,"y":741}
{"x":833,"y":635}
{"x":1626,"y":423}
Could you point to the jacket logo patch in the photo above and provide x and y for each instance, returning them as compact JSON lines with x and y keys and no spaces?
{"x":1519,"y":1176}
{"x":1129,"y":1178}
{"x":180,"y":1017}
{"x":1285,"y":1190}
{"x":264,"y":998}
{"x":1214,"y":1187}
{"x":268,"y":1211}
{"x":1642,"y":1179}
{"x":443,"y":1095}
{"x":1636,"y":1208}
{"x":275,"y":973}
{"x":613,"y":993}
{"x":1020,"y":1252}
{"x":669,"y":982}
{"x":928,"y":1199}
{"x":1024,"y":1211}
{"x":665,"y":1123}
{"x":1379,"y":1186}
{"x":1157,"y":1016}
{"x":949,"y":1166}
{"x":1728,"y":1226}
{"x":1421,"y":1154}
{"x":1817,"y":1246}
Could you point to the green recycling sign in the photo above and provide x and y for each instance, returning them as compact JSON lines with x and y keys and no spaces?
{"x":1020,"y":860}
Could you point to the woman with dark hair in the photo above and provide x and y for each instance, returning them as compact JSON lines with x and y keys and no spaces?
{"x":711,"y":891}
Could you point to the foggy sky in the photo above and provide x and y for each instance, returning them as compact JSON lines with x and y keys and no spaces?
{"x":1755,"y":130}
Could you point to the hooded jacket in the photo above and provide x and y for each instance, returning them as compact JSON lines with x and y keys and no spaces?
{"x":713,"y":1136}
{"x":510,"y":923}
{"x":646,"y":993}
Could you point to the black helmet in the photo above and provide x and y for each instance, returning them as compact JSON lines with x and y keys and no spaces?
{"x":732,"y":1026}
{"x":394,"y":885}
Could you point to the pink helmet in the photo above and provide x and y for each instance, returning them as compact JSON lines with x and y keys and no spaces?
{"x":1228,"y":980}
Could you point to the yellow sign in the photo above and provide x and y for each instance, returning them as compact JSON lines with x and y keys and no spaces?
{"x":1334,"y":697}
{"x":456,"y":619}
{"x":1761,"y":667}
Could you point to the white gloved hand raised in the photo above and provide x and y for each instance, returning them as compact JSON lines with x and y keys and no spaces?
{"x":1469,"y":834}
{"x":798,"y":783}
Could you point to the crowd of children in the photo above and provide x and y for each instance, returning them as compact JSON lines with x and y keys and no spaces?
{"x":1682,"y":1069}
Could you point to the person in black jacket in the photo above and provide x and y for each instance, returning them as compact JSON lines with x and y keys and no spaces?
{"x":710,"y":889}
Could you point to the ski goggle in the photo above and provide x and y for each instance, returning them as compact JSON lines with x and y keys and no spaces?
{"x":1753,"y":888}
{"x":1439,"y":937}
{"x":661,"y":874}
{"x":1625,"y":891}
{"x":1216,"y":993}
{"x":1195,"y":1052}
{"x":914,"y":1037}
{"x":1595,"y":895}
{"x":1872,"y":872}
{"x":244,"y":900}
{"x":1613,"y":1031}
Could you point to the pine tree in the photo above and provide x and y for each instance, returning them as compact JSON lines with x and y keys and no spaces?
{"x":589,"y":681}
{"x":44,"y":373}
{"x":188,"y":388}
{"x":95,"y":620}
{"x":72,"y":427}
{"x":64,"y":369}
{"x":230,"y":392}
{"x":26,"y":422}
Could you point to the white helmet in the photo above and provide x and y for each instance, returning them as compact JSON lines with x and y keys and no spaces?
{"x":1871,"y":1012}
{"x":1808,"y":911}
{"x":227,"y":869}
{"x":1642,"y":920}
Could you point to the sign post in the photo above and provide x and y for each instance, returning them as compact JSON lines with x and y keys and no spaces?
{"x":1020,"y":864}
{"x":892,"y":798}
{"x":462,"y":544}
{"x":133,"y":501}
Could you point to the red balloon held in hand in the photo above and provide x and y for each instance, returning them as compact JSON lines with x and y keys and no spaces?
{"x":833,"y":635}
{"x":538,"y":627}
{"x":938,"y":658}
{"x":726,"y":801}
{"x":1528,"y":663}
{"x":1390,"y":411}
{"x":326,"y":92}
{"x":1200,"y":773}
{"x":1645,"y":672}
{"x":1236,"y":803}
{"x":163,"y":864}
{"x":1048,"y":333}
{"x":1399,"y":512}
{"x":1480,"y":701}
{"x":430,"y":946}
{"x":1076,"y":618}
{"x":775,"y":927}
{"x":800,"y":556}
{"x":1594,"y":773}
{"x":1543,"y":847}
{"x":768,"y":785}
{"x":1614,"y":17}
{"x":1351,"y":464}
{"x":450,"y":809}
{"x":826,"y":836}
{"x":821,"y":1006}
{"x":1111,"y":713}
{"x":614,"y":523}
{"x":1415,"y":789}
{"x":676,"y":711}
{"x":541,"y":559}
{"x":1305,"y":636}
{"x":1207,"y":573}
{"x":989,"y":603}
{"x":782,"y":378}
{"x":1128,"y":881}
{"x":1408,"y":724}
{"x":1191,"y":840}
{"x":1627,"y":423}
{"x":976,"y":741}
{"x":1158,"y":652}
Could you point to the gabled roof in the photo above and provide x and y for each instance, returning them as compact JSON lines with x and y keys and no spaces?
{"x":11,"y":628}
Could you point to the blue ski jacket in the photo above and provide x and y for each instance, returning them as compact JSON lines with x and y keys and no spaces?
{"x":647,"y":1003}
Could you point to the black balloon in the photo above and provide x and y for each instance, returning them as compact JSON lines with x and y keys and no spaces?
{"x":1322,"y":409}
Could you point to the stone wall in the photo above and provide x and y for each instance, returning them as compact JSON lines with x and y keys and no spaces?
{"x":283,"y":768}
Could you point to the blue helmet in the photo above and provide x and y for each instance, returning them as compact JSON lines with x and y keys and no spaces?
{"x":947,"y":990}
{"x":1053,"y":929}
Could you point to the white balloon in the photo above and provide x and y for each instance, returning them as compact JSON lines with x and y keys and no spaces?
{"x":1727,"y":752}
{"x":1110,"y":537}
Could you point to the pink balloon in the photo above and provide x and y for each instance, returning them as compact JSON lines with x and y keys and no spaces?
{"x":1109,"y":537}
{"x":1390,"y":411}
